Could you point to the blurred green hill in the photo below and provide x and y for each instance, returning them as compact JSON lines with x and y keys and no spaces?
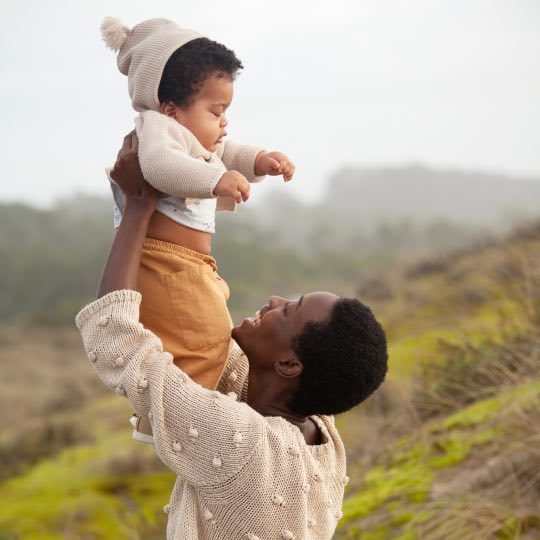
{"x":51,"y":259}
{"x":421,"y":193}
{"x":367,"y":220}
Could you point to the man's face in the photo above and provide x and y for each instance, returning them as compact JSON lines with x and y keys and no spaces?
{"x":205,"y":116}
{"x":271,"y":333}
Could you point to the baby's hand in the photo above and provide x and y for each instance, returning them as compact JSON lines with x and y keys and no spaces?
{"x":274,"y":164}
{"x":233,"y":184}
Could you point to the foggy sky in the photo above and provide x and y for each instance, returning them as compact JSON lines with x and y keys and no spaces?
{"x":448,"y":83}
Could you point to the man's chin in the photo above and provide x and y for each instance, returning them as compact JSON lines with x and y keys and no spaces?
{"x":239,"y":332}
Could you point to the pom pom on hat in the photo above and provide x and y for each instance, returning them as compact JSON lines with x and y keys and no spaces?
{"x":114,"y":32}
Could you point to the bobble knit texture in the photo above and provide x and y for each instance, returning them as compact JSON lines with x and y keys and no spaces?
{"x":228,"y":487}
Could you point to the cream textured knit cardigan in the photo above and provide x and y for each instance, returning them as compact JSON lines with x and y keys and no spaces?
{"x":174,"y":161}
{"x":240,"y":475}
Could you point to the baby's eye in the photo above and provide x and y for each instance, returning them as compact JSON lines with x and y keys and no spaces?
{"x":216,"y":114}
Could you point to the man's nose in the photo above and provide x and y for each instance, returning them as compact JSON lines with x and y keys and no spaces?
{"x":276,"y":301}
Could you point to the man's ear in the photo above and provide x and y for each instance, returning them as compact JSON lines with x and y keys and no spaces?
{"x":289,"y":367}
{"x":168,"y":108}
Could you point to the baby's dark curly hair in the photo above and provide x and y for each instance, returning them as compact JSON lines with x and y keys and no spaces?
{"x":344,"y":358}
{"x":190,"y":65}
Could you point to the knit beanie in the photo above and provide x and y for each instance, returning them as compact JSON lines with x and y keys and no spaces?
{"x":143,"y":52}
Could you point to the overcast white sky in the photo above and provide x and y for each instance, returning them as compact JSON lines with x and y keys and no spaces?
{"x":347,"y":82}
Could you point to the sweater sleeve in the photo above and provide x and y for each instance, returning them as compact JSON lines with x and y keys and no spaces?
{"x":241,"y":158}
{"x":235,"y":374}
{"x":172,"y":160}
{"x":203,"y":436}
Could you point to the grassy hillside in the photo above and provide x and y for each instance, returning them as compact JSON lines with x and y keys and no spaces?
{"x":448,"y":449}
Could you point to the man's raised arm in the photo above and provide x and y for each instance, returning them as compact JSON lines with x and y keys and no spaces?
{"x":122,"y":267}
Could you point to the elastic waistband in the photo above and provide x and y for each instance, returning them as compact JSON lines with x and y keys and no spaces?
{"x":151,"y":244}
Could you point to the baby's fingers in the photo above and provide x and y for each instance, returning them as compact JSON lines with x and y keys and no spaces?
{"x":288,"y":171}
{"x":243,"y":192}
{"x":275,"y":164}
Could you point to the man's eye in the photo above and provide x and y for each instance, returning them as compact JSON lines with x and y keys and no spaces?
{"x":285,"y":307}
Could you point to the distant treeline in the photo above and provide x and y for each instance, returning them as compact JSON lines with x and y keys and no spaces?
{"x":51,"y":260}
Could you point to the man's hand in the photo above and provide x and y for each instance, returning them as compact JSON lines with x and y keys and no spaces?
{"x":274,"y":164}
{"x":121,"y":270}
{"x":233,"y":184}
{"x":128,"y":175}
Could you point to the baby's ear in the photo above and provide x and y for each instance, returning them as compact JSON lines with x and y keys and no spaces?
{"x":168,"y":108}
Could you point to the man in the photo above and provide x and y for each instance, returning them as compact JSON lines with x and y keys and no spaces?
{"x":272,"y":465}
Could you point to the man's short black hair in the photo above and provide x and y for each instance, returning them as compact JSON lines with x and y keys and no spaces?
{"x":190,"y":65}
{"x":345,"y":360}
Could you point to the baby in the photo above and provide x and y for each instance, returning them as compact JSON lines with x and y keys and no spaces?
{"x":182,"y":84}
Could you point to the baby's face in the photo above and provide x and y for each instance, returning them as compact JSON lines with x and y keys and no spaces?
{"x":205,"y":117}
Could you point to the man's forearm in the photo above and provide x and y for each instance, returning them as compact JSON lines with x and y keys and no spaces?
{"x":121,"y":270}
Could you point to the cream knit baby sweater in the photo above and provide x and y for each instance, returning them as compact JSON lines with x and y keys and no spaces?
{"x":174,"y":162}
{"x":240,"y":475}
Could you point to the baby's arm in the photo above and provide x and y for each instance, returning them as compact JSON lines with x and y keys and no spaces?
{"x":274,"y":164}
{"x":166,"y":163}
{"x":254,"y":163}
{"x":241,"y":158}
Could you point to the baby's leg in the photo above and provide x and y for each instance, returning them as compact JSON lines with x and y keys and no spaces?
{"x":184,"y":302}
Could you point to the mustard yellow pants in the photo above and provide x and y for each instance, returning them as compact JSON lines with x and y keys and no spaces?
{"x":184,"y":302}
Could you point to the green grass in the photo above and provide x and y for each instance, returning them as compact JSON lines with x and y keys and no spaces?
{"x":111,"y":489}
{"x":404,"y":478}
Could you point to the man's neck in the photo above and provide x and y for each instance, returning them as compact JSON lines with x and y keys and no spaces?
{"x":269,"y":396}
